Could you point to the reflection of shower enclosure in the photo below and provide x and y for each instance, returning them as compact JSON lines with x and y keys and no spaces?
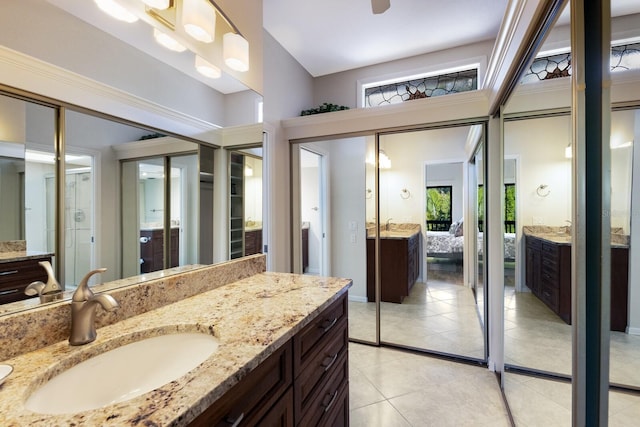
{"x":78,"y":235}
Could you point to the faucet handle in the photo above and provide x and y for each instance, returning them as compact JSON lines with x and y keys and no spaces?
{"x":34,"y":288}
{"x":83,"y":292}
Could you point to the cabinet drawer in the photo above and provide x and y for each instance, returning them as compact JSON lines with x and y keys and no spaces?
{"x":15,"y":276}
{"x":327,"y":396}
{"x":252,"y":398}
{"x":309,"y":339}
{"x":549,"y":295}
{"x":321,"y":365}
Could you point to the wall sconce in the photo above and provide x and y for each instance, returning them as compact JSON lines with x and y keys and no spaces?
{"x":542,"y":190}
{"x":248,"y":170}
{"x":199,"y":20}
{"x":235,"y":51}
{"x":385,"y":161}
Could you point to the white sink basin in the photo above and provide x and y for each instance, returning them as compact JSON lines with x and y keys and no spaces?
{"x":122,"y":373}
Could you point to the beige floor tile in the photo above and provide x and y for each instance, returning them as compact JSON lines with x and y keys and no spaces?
{"x":381,"y":414}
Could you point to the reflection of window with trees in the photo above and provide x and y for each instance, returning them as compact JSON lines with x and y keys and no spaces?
{"x":509,"y":208}
{"x":438,"y":214}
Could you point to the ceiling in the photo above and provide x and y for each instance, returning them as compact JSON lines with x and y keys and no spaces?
{"x":330,"y":36}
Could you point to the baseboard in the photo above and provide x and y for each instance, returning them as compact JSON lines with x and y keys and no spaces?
{"x":633,"y":331}
{"x":356,"y":298}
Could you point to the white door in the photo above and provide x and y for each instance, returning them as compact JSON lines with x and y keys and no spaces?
{"x":312,"y":212}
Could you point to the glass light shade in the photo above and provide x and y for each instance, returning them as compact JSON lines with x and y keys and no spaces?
{"x":116,"y":10}
{"x":167,"y":41}
{"x":235,"y":50}
{"x":248,"y":171}
{"x":157,"y":4}
{"x":199,"y":20}
{"x":385,"y":161}
{"x":207,"y":69}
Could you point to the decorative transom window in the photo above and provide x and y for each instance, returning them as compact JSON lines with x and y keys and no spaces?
{"x":623,"y":57}
{"x":423,"y":87}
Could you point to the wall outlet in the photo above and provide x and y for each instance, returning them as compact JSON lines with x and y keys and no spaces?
{"x":352,"y":238}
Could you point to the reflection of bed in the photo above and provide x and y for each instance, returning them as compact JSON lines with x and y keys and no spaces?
{"x":443,"y":244}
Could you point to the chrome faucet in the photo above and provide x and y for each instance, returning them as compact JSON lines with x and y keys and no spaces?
{"x":83,"y":310}
{"x":49,"y":291}
{"x":388,"y":222}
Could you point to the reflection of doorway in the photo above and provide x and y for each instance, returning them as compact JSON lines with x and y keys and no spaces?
{"x":312,"y":212}
{"x":444,"y":221}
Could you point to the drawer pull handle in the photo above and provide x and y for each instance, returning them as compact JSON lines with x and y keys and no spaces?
{"x":333,"y":399}
{"x":8,"y":273}
{"x":326,"y":365}
{"x":9,"y":292}
{"x":328,"y":324}
{"x":234,"y":421}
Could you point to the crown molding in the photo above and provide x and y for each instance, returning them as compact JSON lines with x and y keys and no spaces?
{"x":32,"y":75}
{"x":418,"y":112}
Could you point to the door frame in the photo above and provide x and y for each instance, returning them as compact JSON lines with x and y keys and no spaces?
{"x":296,"y":214}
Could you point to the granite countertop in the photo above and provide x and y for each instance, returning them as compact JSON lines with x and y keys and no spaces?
{"x":562,"y":235}
{"x":394,"y":231}
{"x":251,"y":318}
{"x":11,"y":256}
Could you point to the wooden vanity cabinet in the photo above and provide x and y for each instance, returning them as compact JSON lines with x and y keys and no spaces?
{"x":399,"y":267}
{"x":321,"y":369}
{"x":304,"y":383}
{"x":152,"y":249}
{"x":15,"y":276}
{"x":263,"y":395}
{"x":252,"y":242}
{"x":548,"y":275}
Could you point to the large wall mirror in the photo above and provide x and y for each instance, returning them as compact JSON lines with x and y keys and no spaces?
{"x":134,"y":198}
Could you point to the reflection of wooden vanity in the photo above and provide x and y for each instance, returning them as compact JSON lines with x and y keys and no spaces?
{"x":152,"y":249}
{"x":548,"y":275}
{"x":17,"y":270}
{"x":399,"y":262}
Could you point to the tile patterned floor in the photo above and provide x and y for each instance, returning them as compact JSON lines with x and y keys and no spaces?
{"x":394,"y":388}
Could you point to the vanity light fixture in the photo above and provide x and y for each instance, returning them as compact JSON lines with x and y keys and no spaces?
{"x":248,"y":170}
{"x":199,"y":20}
{"x":167,"y":41}
{"x":384,"y":160}
{"x":157,"y":4}
{"x":207,"y":69}
{"x":114,"y":9}
{"x":235,"y":52}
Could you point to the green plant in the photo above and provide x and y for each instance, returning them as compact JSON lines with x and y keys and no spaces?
{"x":324,"y":108}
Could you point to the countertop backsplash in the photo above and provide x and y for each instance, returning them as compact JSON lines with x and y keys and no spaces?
{"x":41,"y":326}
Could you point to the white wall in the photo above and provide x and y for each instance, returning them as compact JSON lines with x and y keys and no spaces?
{"x":310,"y":203}
{"x":347,"y":181}
{"x":288,"y":90}
{"x":540,"y":145}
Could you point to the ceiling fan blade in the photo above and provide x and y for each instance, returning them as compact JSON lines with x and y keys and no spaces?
{"x":380,"y":6}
